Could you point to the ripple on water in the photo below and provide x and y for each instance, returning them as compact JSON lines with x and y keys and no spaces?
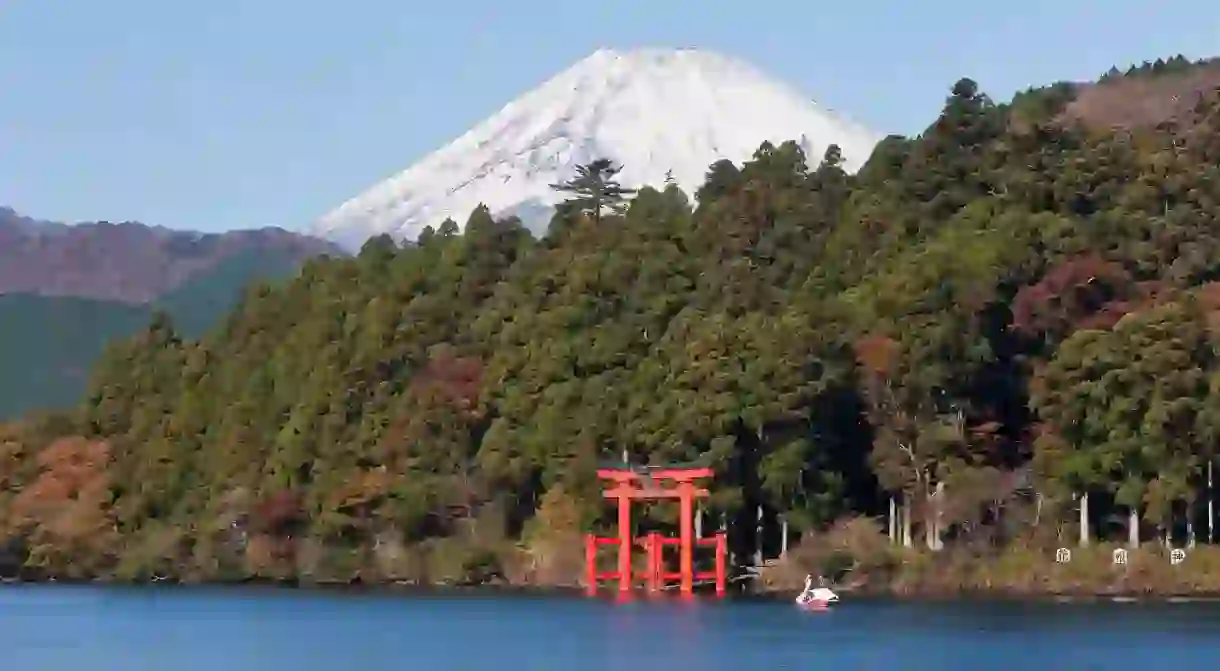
{"x":88,"y":628}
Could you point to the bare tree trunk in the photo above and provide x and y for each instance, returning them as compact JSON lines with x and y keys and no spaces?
{"x":783,"y":539}
{"x":1133,"y":528}
{"x":907,"y":539}
{"x":758,"y":539}
{"x":929,"y":518}
{"x":932,"y":518}
{"x":1084,"y":520}
{"x":893,"y":521}
{"x":1211,"y":512}
{"x":940,"y":516}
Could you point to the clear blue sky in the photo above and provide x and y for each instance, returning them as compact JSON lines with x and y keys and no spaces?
{"x":236,"y":113}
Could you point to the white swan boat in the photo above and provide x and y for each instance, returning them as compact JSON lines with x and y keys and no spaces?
{"x":816,"y":597}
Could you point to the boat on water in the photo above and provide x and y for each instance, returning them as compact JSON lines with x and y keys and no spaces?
{"x":816,"y":598}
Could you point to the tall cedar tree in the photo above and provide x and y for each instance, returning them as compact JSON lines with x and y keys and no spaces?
{"x":595,"y":189}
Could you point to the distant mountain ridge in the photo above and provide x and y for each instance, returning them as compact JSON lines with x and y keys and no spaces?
{"x":127,"y":262}
{"x":66,"y":291}
{"x":661,"y":113}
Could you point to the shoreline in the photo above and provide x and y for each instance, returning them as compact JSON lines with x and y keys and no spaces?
{"x":534,"y":591}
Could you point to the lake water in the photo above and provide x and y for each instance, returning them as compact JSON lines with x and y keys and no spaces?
{"x":87,"y":629}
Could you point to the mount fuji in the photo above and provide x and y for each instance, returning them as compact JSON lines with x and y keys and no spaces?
{"x":653,"y":111}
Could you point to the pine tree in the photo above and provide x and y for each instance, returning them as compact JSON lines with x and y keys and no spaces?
{"x":595,"y":189}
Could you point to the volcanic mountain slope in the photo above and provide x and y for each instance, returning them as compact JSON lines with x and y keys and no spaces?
{"x":657,"y":112}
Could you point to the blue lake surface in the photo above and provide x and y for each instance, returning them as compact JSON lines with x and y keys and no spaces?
{"x":51,"y":628}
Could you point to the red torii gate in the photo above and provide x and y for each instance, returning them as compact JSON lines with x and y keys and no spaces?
{"x":628,"y":485}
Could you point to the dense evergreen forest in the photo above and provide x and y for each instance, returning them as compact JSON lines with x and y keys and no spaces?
{"x":1000,"y":333}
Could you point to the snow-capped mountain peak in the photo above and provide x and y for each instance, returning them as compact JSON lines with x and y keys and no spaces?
{"x":654,"y":111}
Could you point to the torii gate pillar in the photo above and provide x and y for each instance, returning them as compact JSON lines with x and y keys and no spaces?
{"x":626,"y":486}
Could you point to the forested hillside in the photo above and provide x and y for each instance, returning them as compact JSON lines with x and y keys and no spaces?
{"x":991,"y":321}
{"x":48,"y":344}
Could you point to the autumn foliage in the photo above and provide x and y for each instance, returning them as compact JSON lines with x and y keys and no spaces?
{"x":1083,"y":292}
{"x":72,"y":478}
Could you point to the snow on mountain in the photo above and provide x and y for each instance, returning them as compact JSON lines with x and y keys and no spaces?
{"x":651,"y":110}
